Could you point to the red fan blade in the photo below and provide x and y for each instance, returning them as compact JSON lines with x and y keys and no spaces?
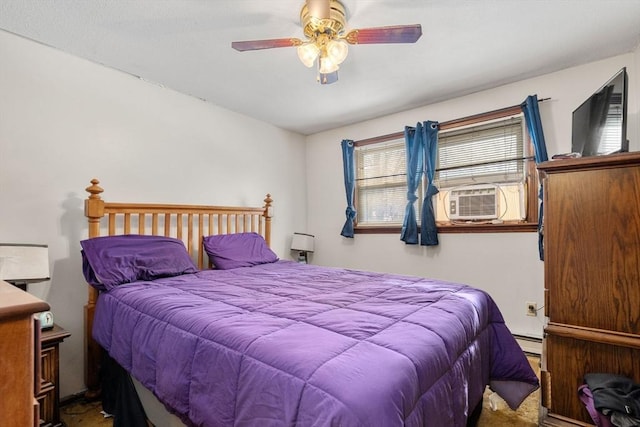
{"x":265,"y":44}
{"x":394,"y":34}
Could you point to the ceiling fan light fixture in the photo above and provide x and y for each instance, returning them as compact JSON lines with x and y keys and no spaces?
{"x":323,"y":23}
{"x":326,"y":65}
{"x":337,"y":50}
{"x":308,"y":53}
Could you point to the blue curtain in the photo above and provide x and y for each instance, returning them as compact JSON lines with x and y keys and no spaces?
{"x":428,"y":229}
{"x":534,"y":125}
{"x":349,"y":186}
{"x":421,"y":149}
{"x":413,"y":138}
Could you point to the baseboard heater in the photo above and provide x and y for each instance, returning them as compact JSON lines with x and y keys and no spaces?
{"x":530,"y":345}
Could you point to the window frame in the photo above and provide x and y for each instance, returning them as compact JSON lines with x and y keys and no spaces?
{"x":530,"y":224}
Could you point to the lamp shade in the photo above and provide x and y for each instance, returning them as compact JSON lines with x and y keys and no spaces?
{"x":302,"y":242}
{"x":326,"y":65}
{"x":337,"y":50}
{"x":24,"y":263}
{"x":308,"y":53}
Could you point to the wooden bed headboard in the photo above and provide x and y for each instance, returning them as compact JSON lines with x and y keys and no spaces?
{"x":189,"y":223}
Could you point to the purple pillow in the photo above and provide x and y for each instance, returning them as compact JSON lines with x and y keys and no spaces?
{"x":89,"y":274}
{"x":227,"y":251}
{"x":113,"y":260}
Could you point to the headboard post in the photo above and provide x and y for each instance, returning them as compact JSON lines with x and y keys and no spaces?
{"x":94,"y":211}
{"x":267,"y":219}
{"x":94,"y":208}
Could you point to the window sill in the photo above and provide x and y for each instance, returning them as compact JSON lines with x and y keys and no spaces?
{"x":506,"y":227}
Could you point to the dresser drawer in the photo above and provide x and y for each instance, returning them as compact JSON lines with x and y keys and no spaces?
{"x":48,"y":366}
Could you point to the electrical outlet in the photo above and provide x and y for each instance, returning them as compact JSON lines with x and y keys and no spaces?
{"x":532,"y":308}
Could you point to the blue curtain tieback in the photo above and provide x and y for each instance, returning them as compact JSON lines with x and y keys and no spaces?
{"x":350,"y":213}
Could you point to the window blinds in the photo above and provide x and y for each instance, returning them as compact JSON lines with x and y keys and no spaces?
{"x":488,"y":153}
{"x":381,"y":182}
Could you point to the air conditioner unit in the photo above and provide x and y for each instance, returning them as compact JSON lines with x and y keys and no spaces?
{"x":474,"y":202}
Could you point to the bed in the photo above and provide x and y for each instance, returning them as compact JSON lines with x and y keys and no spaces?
{"x":193,"y":304}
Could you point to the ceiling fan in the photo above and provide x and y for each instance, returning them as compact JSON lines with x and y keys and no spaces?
{"x":323,"y":23}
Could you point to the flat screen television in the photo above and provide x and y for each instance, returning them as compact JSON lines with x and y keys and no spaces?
{"x":599,"y":124}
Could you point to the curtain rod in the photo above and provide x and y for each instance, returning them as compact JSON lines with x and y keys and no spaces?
{"x":444,"y":125}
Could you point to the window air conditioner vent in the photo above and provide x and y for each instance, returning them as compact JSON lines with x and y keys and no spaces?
{"x":474,"y":202}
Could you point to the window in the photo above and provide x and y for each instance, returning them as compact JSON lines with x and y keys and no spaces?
{"x":381,"y":183}
{"x":482,"y":166}
{"x":485,"y":173}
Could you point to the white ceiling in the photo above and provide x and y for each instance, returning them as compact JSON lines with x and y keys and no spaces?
{"x":466,"y":46}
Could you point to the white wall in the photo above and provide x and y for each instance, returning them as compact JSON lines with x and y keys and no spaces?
{"x":64,"y":121}
{"x":505,"y":265}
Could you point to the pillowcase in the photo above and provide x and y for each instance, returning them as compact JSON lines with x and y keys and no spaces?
{"x":89,"y":275}
{"x":227,"y":251}
{"x":110,"y":261}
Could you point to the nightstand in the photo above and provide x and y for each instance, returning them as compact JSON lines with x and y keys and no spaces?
{"x":49,"y":396}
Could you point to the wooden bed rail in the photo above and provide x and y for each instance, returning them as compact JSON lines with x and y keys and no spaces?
{"x":189,"y":223}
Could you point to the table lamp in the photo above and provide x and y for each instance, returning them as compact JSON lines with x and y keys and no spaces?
{"x":21,"y":264}
{"x":303,"y":243}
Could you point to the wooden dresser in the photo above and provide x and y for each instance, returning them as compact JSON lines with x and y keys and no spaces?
{"x":592,"y":278}
{"x":19,"y":356}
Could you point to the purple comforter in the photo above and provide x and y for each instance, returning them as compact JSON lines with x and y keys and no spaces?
{"x":287,"y":344}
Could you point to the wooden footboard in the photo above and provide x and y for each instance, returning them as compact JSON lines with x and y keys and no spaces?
{"x":189,"y":223}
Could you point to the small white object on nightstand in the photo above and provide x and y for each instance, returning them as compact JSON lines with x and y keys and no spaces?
{"x":46,"y":320}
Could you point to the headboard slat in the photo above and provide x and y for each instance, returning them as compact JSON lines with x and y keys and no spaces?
{"x":190,"y":234}
{"x":201,"y":234}
{"x":127,"y":223}
{"x":167,"y":224}
{"x":141,"y":223}
{"x":112,"y":224}
{"x":154,"y":224}
{"x":179,"y":226}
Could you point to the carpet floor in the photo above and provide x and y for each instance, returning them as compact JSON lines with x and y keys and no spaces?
{"x":87,"y":414}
